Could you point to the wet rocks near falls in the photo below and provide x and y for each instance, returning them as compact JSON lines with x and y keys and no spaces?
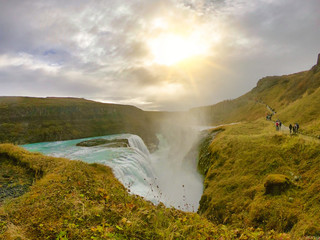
{"x":113,"y":143}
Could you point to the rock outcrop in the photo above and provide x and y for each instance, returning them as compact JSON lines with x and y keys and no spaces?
{"x":275,"y":184}
{"x":113,"y":143}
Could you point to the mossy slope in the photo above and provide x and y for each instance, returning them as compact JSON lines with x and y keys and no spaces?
{"x":258,"y":177}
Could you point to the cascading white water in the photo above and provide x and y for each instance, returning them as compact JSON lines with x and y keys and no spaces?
{"x":135,"y":171}
{"x":131,"y":165}
{"x":137,"y":143}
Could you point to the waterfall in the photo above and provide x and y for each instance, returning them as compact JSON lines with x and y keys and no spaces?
{"x":161,"y":176}
{"x":130,"y":165}
{"x":137,"y":143}
{"x":135,"y":172}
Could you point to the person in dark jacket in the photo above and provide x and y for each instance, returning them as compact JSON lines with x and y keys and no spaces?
{"x":290,"y":128}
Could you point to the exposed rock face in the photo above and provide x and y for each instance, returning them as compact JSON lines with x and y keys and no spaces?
{"x":113,"y":143}
{"x":316,"y":68}
{"x":15,"y":180}
{"x":276,"y":184}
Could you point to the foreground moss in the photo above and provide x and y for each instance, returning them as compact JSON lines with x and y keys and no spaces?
{"x":257,"y":177}
{"x":74,"y":200}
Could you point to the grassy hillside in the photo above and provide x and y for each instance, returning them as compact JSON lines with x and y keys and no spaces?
{"x":306,"y":112}
{"x":255,"y":176}
{"x":294,"y":97}
{"x":244,"y":108}
{"x":75,"y":200}
{"x":27,"y":120}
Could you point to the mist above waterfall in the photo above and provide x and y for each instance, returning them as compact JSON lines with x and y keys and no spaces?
{"x":175,"y":163}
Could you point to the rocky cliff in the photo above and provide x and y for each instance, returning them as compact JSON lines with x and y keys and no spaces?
{"x":27,"y":120}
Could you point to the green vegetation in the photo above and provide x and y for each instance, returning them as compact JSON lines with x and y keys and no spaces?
{"x":75,"y":200}
{"x":230,"y":111}
{"x":258,"y":177}
{"x":306,"y":112}
{"x":14,"y":179}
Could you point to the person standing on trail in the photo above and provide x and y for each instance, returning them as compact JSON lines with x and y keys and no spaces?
{"x":280,"y":124}
{"x":297,"y":127}
{"x":290,"y":128}
{"x":277,"y":125}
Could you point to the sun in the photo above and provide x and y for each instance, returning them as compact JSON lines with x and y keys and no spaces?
{"x":170,"y":49}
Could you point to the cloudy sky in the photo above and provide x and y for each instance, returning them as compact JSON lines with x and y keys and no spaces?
{"x":154,"y":54}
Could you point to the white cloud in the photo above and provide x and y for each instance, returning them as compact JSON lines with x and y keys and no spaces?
{"x":27,"y":61}
{"x":102,"y":50}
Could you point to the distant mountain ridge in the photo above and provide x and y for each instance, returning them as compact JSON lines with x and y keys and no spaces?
{"x":28,"y":119}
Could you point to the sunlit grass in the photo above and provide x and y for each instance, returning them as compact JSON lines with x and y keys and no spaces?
{"x":242,"y":160}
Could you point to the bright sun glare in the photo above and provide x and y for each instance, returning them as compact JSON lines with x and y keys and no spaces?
{"x":170,"y":49}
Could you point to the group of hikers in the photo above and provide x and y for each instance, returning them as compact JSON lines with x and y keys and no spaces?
{"x":278,"y":124}
{"x":294,"y":128}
